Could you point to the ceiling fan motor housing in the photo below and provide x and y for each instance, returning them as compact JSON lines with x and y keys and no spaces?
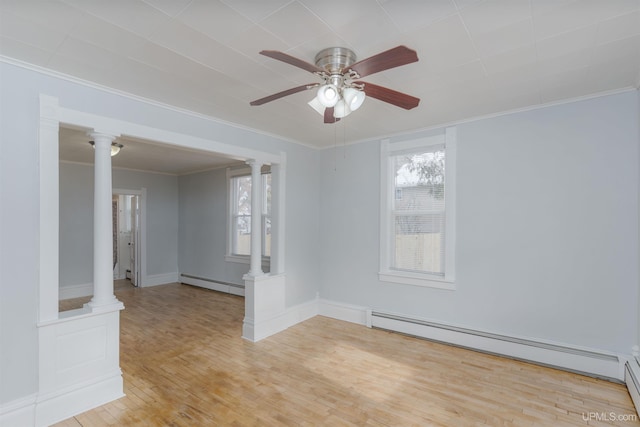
{"x":335,"y":60}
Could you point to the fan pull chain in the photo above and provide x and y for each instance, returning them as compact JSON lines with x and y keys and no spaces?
{"x":335,"y":149}
{"x":344,"y":140}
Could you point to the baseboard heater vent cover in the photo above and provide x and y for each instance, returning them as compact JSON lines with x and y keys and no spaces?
{"x":584,"y":361}
{"x":633,"y":382}
{"x":215,"y":285}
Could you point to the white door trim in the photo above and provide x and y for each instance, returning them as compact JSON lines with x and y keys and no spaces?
{"x":142,"y":262}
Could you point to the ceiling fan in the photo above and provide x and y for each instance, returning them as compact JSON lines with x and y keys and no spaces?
{"x":341,"y":92}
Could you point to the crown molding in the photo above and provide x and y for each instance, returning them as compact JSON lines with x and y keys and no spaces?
{"x":93,"y":85}
{"x":47,"y":71}
{"x":494,"y":115}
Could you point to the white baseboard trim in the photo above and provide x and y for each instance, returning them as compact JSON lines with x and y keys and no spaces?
{"x":214,"y":285}
{"x":75,"y":291}
{"x":591,"y":362}
{"x":62,"y":405}
{"x":281,"y":321}
{"x":20,"y":412}
{"x":632,"y":379}
{"x":341,"y":311}
{"x":160,"y":279}
{"x":45,"y":410}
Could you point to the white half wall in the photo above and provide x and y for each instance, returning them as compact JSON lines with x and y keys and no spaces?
{"x":265,"y":313}
{"x":79,"y":369}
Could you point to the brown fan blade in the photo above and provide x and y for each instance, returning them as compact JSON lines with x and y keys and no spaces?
{"x":328,"y":116}
{"x":281,"y":56}
{"x":284,"y":93}
{"x":391,"y":58}
{"x":396,"y":98}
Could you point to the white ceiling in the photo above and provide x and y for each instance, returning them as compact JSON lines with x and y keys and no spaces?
{"x":477,"y":57}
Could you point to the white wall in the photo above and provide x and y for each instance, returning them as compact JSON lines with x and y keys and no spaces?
{"x":19,"y":108}
{"x":18,"y":239}
{"x":303,"y":225}
{"x":162,"y":217}
{"x":203,"y":228}
{"x":547,"y":227}
{"x":76,"y":220}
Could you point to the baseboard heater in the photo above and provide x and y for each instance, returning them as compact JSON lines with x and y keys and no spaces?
{"x":632,"y":370}
{"x":588,"y":362}
{"x":215,"y":285}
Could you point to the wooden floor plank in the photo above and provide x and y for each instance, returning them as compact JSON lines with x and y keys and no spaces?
{"x":185,"y":364}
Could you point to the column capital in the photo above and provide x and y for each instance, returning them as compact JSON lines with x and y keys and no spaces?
{"x":254,"y":163}
{"x":102,"y":136}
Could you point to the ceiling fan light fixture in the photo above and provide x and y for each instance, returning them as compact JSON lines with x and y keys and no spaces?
{"x":341,"y":90}
{"x":341,"y":109}
{"x":328,"y":95}
{"x":316,"y":105}
{"x":353,"y":97}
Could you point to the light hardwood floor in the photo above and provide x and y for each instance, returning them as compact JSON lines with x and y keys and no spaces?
{"x":185,"y":364}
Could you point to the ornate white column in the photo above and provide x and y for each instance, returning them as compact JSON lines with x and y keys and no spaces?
{"x":255,"y":268}
{"x":102,"y":223}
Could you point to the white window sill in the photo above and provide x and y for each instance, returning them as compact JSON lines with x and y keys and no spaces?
{"x":245,"y":259}
{"x":417,"y":279}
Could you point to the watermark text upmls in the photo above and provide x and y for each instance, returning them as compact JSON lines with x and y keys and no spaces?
{"x":608,"y":416}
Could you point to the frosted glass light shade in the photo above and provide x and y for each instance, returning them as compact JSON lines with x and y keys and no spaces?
{"x":316,"y":105}
{"x":341,"y":109}
{"x":353,"y":97}
{"x":328,"y":95}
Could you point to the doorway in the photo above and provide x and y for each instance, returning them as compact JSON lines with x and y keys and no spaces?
{"x":54,"y":119}
{"x":128,"y":243}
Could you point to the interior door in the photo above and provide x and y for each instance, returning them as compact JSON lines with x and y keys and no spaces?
{"x":134,"y":246}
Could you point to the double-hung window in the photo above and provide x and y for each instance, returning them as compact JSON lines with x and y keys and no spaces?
{"x":417,"y":215}
{"x":239,"y":241}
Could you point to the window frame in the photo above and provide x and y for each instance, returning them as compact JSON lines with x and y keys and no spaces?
{"x":387,"y":195}
{"x":231,"y":215}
